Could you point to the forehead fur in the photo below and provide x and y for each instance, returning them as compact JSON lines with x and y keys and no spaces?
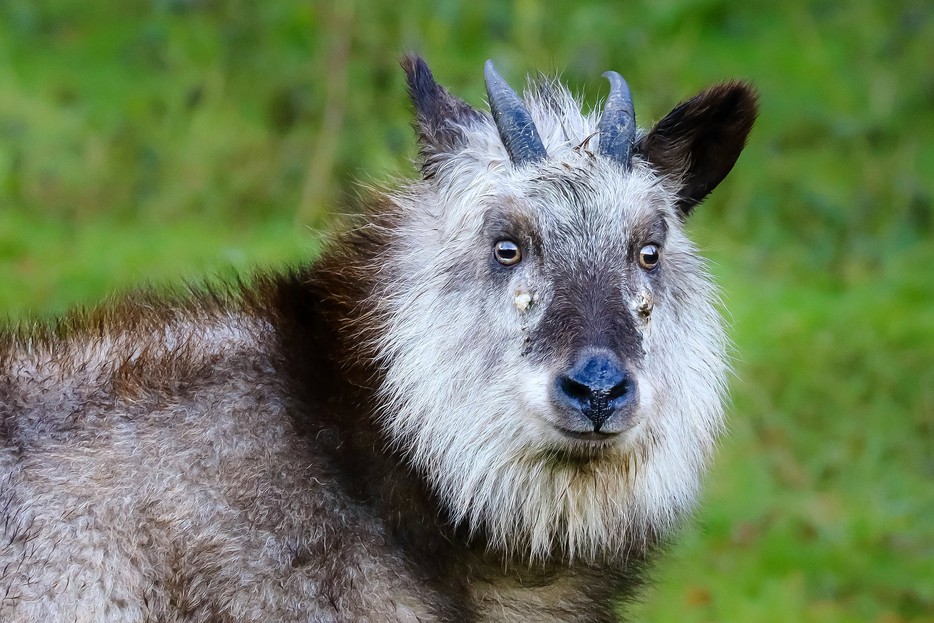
{"x":563,"y":126}
{"x":573,"y":195}
{"x":572,"y":176}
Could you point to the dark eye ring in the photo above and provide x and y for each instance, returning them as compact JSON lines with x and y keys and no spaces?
{"x":507,"y":252}
{"x":648,"y":257}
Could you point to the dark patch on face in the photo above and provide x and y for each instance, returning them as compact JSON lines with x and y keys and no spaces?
{"x":589,"y":301}
{"x":587,"y":310}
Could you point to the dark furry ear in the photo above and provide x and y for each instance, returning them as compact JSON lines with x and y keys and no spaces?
{"x":440,"y":117}
{"x":698,"y":142}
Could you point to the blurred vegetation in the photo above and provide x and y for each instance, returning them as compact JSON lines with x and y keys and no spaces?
{"x":148,"y":141}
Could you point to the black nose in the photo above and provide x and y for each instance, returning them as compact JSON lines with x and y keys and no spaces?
{"x":597,"y":386}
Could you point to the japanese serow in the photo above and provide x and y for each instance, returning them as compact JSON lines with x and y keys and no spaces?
{"x":490,"y":399}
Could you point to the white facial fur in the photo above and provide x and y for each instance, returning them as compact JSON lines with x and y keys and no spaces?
{"x":473,"y":410}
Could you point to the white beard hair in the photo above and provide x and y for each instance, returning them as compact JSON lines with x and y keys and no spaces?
{"x":486,"y":458}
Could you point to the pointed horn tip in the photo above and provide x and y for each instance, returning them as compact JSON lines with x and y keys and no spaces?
{"x":497,"y":89}
{"x":617,"y":82}
{"x":491,"y":76}
{"x":617,"y":125}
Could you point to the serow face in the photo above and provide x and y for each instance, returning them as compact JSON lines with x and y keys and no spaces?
{"x":554,"y":360}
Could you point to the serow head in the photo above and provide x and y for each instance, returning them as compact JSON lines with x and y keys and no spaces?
{"x":554,"y":358}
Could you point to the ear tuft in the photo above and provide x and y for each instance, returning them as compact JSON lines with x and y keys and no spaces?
{"x":698,"y":142}
{"x":440,"y":117}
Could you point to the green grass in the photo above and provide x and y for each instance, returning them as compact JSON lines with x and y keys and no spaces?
{"x":49,"y":267}
{"x":181,"y":138}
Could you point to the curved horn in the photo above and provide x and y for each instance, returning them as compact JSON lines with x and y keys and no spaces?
{"x":618,"y":123}
{"x":516,"y":129}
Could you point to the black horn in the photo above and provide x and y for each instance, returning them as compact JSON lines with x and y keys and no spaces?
{"x":516,"y":129}
{"x":618,"y":123}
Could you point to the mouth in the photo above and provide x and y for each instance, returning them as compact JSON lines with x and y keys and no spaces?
{"x":592,"y":438}
{"x":580,"y":448}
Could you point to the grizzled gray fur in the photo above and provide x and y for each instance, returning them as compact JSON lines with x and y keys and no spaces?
{"x":490,"y":400}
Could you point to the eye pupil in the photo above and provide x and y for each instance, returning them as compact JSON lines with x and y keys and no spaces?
{"x":648,"y":256}
{"x":507,"y":252}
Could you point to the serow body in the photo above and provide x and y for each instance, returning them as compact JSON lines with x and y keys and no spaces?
{"x":490,"y":399}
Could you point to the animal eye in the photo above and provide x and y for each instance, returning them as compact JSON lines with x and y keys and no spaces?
{"x":507,"y":252}
{"x":648,"y":256}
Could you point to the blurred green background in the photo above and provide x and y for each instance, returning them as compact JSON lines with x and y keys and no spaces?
{"x":152,"y":141}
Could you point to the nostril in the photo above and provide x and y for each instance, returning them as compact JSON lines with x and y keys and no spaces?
{"x":575,"y":390}
{"x":619,"y":390}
